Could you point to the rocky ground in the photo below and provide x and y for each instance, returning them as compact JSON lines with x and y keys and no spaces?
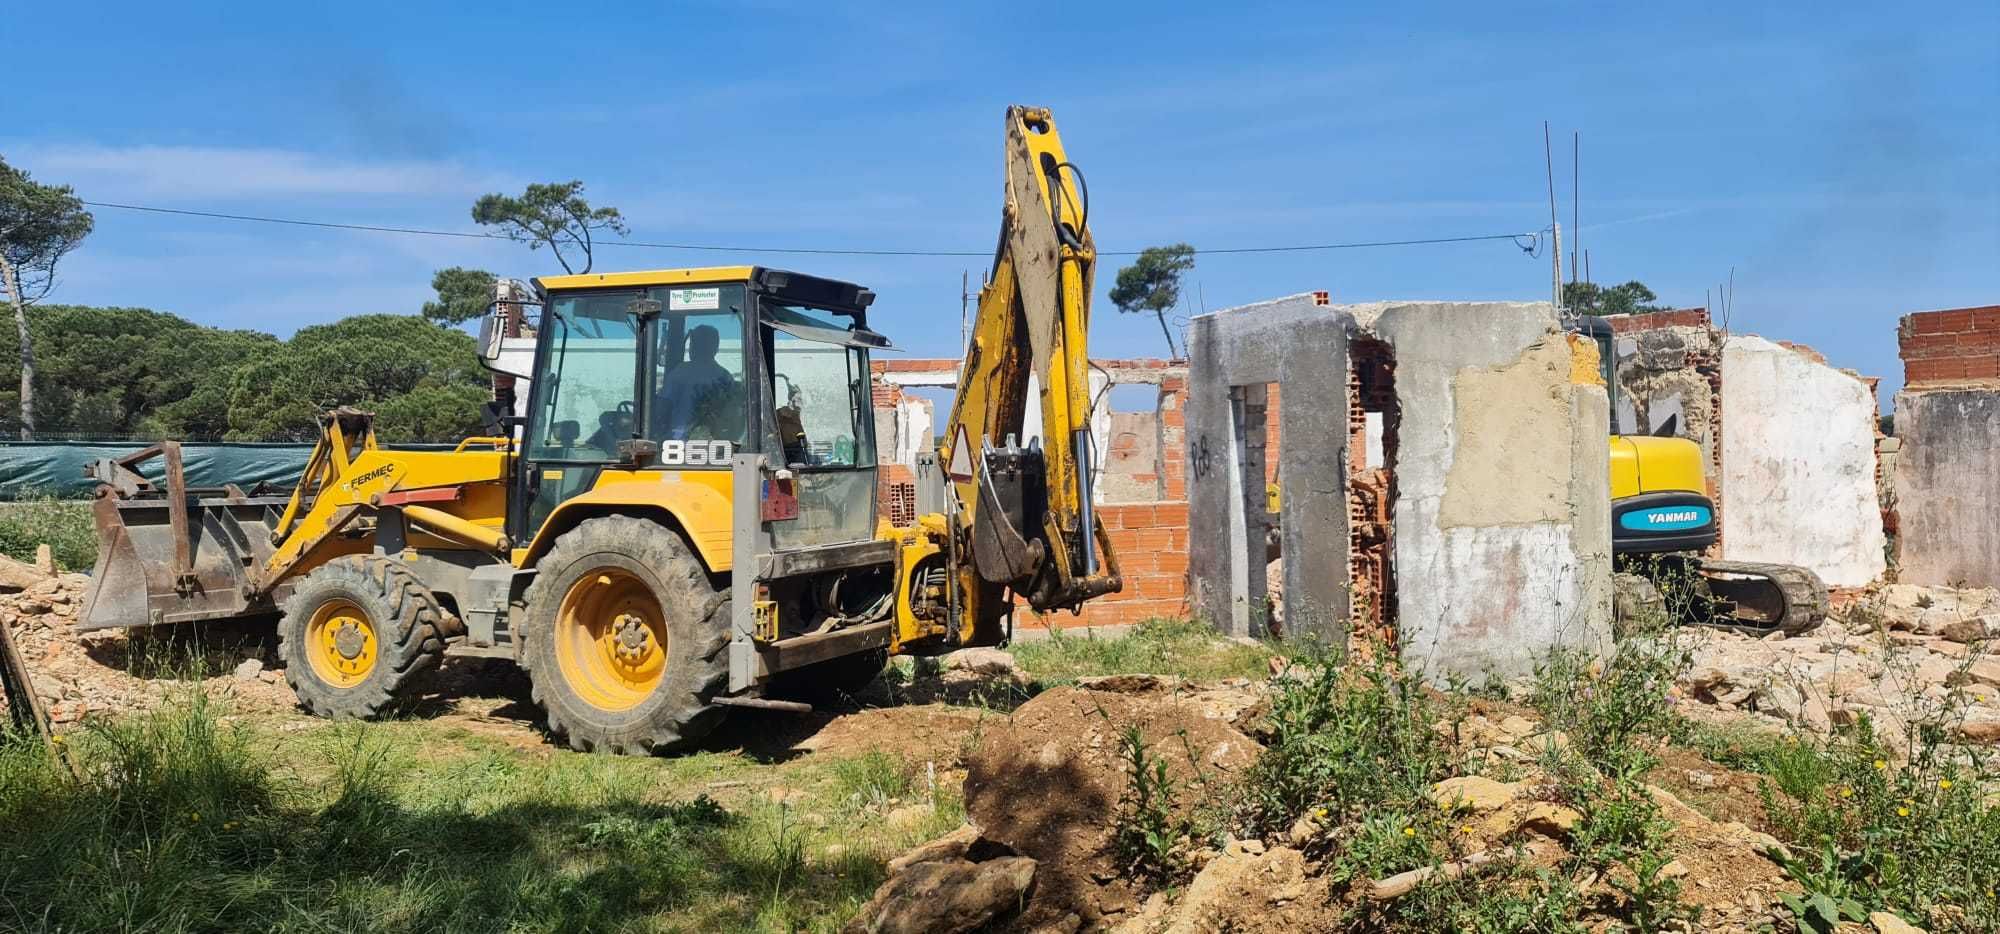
{"x":78,"y":674}
{"x":1894,"y":655}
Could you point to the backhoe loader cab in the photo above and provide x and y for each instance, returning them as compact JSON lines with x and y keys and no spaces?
{"x":679,"y":372}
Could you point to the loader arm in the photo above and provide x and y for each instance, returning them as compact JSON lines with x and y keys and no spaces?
{"x":1026,"y":514}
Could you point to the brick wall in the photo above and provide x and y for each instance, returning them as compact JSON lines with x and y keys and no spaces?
{"x":1149,"y":538}
{"x":1151,"y":542}
{"x":1951,"y":346}
{"x":1173,"y":438}
{"x":1677,"y":317}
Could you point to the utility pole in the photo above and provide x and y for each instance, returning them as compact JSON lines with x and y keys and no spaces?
{"x":1555,"y":226}
{"x":1556,"y":264}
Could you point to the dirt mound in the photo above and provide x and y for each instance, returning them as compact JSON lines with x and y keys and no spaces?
{"x":79,"y":674}
{"x":1046,"y":781}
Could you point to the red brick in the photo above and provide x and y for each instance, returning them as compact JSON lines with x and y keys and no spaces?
{"x":1929,"y":346}
{"x":1973,"y":343}
{"x":1115,"y":518}
{"x":1983,"y":367}
{"x":1170,"y":514}
{"x":1927,"y":322}
{"x":1986,"y":319}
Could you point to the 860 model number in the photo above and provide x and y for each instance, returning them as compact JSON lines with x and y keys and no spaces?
{"x":696,"y":453}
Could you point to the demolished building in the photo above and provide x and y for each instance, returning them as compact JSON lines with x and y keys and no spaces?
{"x":1478,"y":536}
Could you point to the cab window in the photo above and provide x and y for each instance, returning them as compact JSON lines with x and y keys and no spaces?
{"x":699,"y":410}
{"x":583,"y":392}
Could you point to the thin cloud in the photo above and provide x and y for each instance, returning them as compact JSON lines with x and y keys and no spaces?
{"x":191,"y":173}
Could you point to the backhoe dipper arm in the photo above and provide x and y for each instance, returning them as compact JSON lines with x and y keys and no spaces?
{"x":1025,"y":514}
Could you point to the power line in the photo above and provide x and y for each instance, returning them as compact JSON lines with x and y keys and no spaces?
{"x":1533,"y":237}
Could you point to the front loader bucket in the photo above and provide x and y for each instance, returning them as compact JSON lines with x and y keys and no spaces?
{"x":169,"y":554}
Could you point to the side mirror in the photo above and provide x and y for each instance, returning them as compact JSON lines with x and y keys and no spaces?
{"x":489,"y":337}
{"x":492,"y":346}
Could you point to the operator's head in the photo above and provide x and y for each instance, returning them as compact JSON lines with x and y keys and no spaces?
{"x":702,"y":344}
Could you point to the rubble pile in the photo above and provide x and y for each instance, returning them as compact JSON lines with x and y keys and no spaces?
{"x":81,"y":674}
{"x":1043,"y":790}
{"x":1903,"y":655}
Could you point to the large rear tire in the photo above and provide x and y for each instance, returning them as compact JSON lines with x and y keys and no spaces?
{"x":356,"y":634}
{"x":623,"y":638}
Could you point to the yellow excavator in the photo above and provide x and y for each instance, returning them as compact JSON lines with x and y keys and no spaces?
{"x":1662,"y":520}
{"x":683,"y":521}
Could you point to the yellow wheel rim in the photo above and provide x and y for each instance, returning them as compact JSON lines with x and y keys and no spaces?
{"x":611,"y":639}
{"x":341,"y":644}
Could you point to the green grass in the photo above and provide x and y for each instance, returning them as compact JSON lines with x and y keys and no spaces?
{"x":64,"y":525}
{"x":1184,"y":647}
{"x":190,"y":821}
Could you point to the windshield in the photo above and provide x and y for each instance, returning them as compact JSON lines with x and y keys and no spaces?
{"x":820,"y":390}
{"x":583,"y":393}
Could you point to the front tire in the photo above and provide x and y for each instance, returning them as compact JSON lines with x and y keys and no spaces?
{"x":623,"y":638}
{"x":356,"y":634}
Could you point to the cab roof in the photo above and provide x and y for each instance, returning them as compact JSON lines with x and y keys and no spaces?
{"x":644,"y":277}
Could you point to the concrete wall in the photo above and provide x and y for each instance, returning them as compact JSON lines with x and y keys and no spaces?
{"x":1502,"y":513}
{"x":1798,"y":456}
{"x":1947,"y":487}
{"x":1501,"y":519}
{"x":1301,"y":347}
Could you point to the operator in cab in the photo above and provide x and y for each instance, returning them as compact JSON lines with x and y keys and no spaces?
{"x":692,"y":393}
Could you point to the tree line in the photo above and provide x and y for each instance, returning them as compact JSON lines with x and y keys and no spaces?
{"x":86,"y":372}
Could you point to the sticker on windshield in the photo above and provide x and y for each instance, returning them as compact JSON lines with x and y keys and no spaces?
{"x":694,"y":299}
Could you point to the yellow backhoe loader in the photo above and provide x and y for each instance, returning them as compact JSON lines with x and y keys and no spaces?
{"x":684,"y":520}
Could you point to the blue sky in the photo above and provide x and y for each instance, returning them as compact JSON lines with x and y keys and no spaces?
{"x":1844,"y":158}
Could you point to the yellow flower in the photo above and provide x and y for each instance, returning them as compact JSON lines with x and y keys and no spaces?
{"x":1409,"y":831}
{"x":1847,"y":792}
{"x":1880,"y":765}
{"x":194,"y":816}
{"x":1902,"y":812}
{"x":1465,"y":829}
{"x":229,"y":825}
{"x":1944,"y":783}
{"x":1319,"y":812}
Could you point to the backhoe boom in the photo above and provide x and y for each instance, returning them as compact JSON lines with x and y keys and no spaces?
{"x":1028,"y":511}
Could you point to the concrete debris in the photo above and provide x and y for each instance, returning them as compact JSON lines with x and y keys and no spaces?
{"x":1892,"y":659}
{"x":19,"y":575}
{"x":986,"y":661}
{"x":1886,"y":923}
{"x":941,"y":889}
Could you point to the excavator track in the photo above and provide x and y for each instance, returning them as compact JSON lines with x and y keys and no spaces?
{"x":1765,"y":597}
{"x":1740,"y":595}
